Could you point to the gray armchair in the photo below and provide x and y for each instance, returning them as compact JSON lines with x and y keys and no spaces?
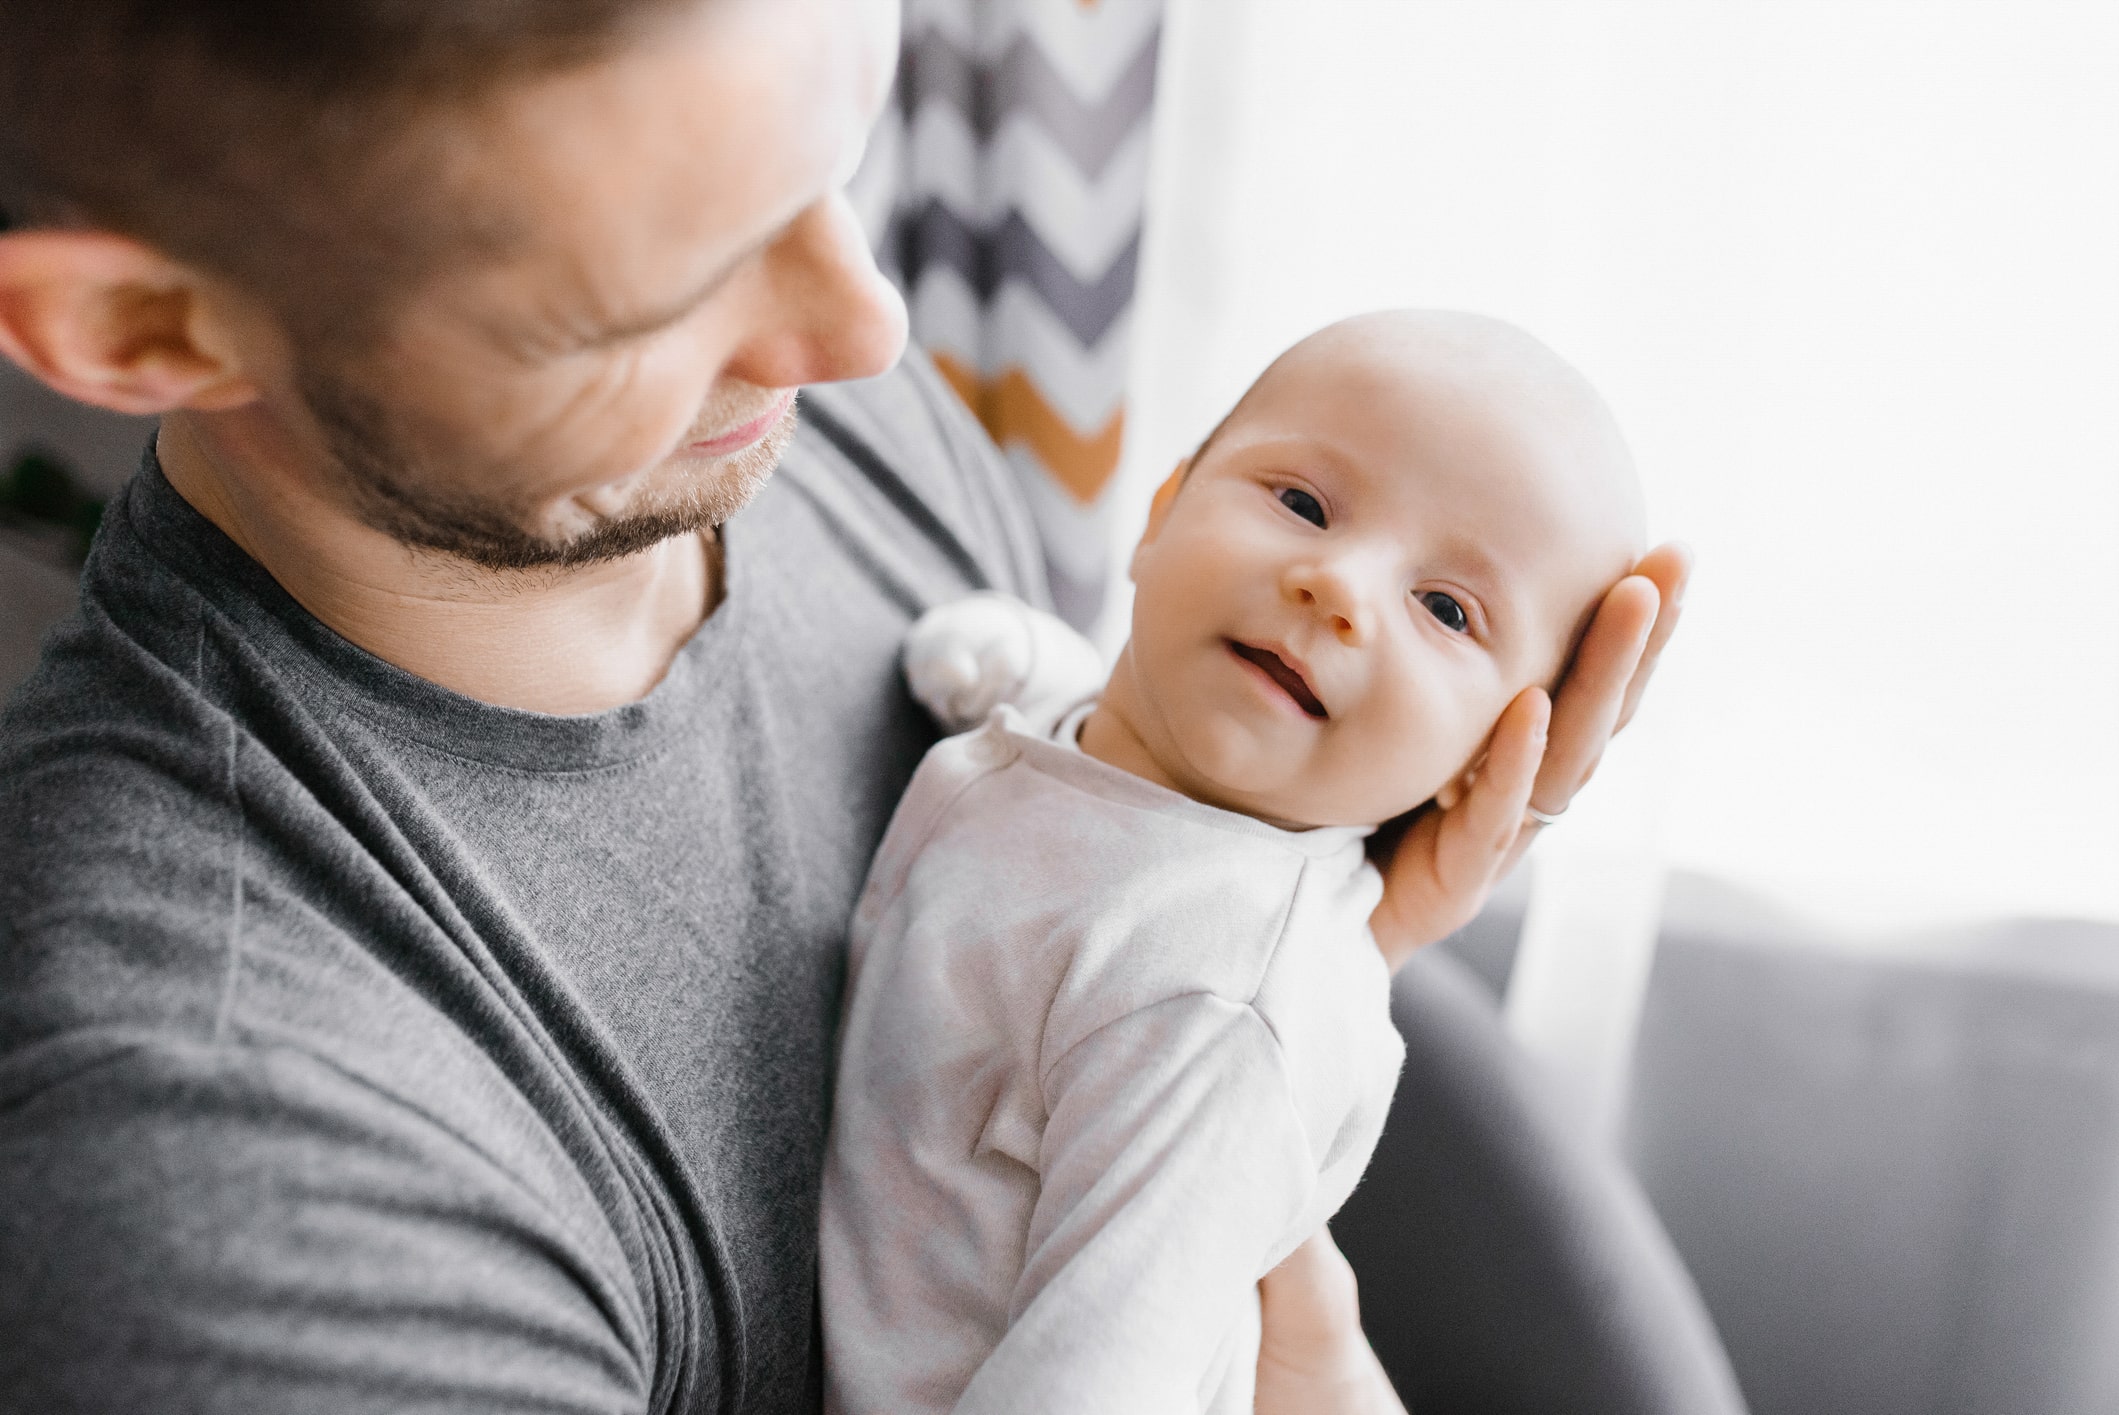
{"x":1509,"y":1265}
{"x":1890,"y":1169}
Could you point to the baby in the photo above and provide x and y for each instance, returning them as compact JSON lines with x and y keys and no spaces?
{"x":1118,"y":1038}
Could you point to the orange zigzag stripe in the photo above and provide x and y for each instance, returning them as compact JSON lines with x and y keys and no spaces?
{"x":1013,"y":410}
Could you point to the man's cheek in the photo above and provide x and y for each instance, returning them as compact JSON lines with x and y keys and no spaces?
{"x":615,"y":453}
{"x":627,"y":413}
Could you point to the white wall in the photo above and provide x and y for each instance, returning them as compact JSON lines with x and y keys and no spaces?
{"x":1846,"y":271}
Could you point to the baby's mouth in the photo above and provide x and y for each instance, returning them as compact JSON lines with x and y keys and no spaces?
{"x":1276,"y":668}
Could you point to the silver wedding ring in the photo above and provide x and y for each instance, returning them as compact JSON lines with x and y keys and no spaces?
{"x":1539,"y":817}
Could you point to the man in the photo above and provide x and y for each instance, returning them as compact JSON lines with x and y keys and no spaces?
{"x":429,"y":854}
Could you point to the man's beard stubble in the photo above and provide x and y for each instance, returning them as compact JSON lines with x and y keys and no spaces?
{"x":380,"y":460}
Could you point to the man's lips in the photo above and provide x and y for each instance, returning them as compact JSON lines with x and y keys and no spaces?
{"x":1285,"y":674}
{"x":736,"y":439}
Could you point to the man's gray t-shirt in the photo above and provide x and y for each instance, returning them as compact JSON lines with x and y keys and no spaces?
{"x":363,"y":1047}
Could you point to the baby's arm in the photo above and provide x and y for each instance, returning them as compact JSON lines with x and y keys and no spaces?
{"x":1171,"y":1170}
{"x":964,"y":658}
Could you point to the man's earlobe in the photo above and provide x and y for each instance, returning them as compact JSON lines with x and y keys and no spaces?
{"x":109,"y":321}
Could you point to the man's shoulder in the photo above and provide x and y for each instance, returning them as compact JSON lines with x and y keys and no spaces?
{"x":155,"y":847}
{"x":172,"y":1205}
{"x":904,"y":448}
{"x":181,"y":953}
{"x":121,"y":824}
{"x":115,"y":791}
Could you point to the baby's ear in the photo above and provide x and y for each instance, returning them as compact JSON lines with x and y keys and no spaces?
{"x":1159,"y":510}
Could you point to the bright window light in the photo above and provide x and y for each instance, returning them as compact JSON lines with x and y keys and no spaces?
{"x":1849,"y":274}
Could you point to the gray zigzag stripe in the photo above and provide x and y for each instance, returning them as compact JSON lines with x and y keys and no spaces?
{"x":934,"y":235}
{"x":932,"y":67}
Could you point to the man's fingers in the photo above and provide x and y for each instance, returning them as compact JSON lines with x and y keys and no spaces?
{"x":1478,"y":835}
{"x":1595,"y":691}
{"x":1670,"y":568}
{"x":1441,"y":869}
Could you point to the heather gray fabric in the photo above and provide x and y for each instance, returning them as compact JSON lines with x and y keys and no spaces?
{"x":366,"y":1048}
{"x":1893,"y":1164}
{"x":363,"y":1048}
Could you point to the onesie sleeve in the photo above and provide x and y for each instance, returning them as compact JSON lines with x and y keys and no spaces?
{"x":964,"y":658}
{"x":1173,"y":1162}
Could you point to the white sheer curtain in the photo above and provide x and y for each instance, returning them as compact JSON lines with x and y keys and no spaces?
{"x":1849,"y":273}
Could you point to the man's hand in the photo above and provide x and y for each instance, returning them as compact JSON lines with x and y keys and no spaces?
{"x":1438,"y":874}
{"x":1312,"y":1357}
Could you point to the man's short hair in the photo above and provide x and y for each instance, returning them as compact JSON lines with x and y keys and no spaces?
{"x":244,"y":135}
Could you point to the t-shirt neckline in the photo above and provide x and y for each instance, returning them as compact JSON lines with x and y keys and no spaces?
{"x":269,"y":622}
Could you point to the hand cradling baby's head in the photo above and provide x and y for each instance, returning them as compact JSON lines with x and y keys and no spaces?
{"x":1405,"y":522}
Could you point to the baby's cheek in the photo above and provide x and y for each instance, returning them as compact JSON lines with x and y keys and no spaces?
{"x":1382,"y":774}
{"x":1435,"y":735}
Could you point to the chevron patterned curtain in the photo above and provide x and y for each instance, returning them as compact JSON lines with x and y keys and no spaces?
{"x":1013,"y":171}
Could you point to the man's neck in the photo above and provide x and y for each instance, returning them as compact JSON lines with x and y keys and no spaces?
{"x":579,"y":640}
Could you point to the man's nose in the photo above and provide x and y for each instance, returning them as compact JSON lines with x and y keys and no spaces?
{"x":824,"y":311}
{"x":1331,"y":589}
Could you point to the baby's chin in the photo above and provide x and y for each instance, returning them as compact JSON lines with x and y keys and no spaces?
{"x":1221,"y":759}
{"x":1310,"y":804}
{"x":1364,"y":818}
{"x":1352,"y":772}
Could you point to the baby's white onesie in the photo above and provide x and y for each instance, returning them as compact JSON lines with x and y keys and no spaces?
{"x":1110,"y":1054}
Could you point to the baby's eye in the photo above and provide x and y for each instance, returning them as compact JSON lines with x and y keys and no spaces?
{"x":1446,"y":609}
{"x":1303,"y":504}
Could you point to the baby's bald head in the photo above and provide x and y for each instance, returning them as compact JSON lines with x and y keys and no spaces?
{"x":1474,"y":361}
{"x":1406,"y":521}
{"x":1476,"y":402}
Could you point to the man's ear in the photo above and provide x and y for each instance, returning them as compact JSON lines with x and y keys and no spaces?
{"x":110,"y":321}
{"x":1159,"y":508}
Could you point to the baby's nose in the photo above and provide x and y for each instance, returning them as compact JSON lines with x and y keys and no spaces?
{"x":1329,"y":595}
